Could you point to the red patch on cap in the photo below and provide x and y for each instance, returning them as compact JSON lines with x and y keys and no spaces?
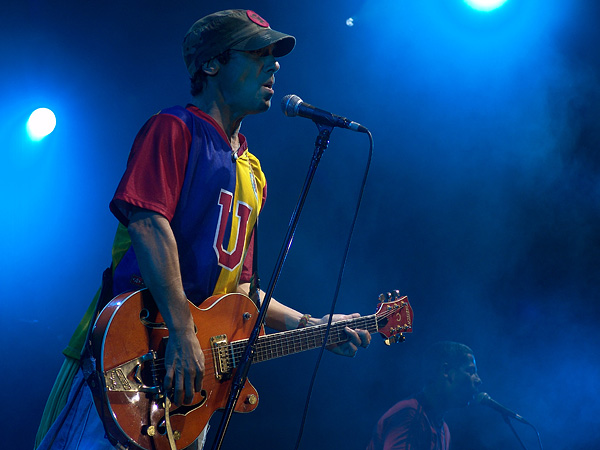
{"x":257,"y":19}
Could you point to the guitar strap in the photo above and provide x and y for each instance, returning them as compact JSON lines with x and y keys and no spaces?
{"x":88,"y":362}
{"x":255,"y":279}
{"x":170,"y":436}
{"x":105,"y":296}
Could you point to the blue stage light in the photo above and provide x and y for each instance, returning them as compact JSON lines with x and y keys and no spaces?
{"x":40,"y":124}
{"x":485,"y":5}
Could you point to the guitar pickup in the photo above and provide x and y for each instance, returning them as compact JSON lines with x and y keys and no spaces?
{"x":221,"y":357}
{"x":128,"y":378}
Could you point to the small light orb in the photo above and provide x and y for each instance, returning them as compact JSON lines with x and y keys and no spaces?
{"x":41,"y":123}
{"x":350,"y":22}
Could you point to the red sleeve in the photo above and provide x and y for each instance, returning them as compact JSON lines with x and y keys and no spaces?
{"x":155,"y":169}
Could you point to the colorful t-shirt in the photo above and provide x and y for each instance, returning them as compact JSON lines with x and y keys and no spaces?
{"x":182,"y":166}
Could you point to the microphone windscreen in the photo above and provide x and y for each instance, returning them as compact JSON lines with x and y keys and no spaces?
{"x":483,"y":397}
{"x":290,"y":104}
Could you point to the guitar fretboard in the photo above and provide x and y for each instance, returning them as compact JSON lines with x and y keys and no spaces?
{"x":276,"y":345}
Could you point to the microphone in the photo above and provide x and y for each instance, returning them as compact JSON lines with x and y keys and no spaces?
{"x":484,"y":399}
{"x":293,"y":106}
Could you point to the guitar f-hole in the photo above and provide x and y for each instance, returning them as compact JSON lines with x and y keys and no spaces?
{"x":144,"y":318}
{"x":182,"y":410}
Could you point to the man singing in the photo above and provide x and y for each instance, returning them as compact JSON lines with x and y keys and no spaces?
{"x":187,"y":206}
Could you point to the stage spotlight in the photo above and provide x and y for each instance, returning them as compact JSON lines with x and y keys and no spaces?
{"x":40,"y":124}
{"x":350,"y":22}
{"x":485,"y":5}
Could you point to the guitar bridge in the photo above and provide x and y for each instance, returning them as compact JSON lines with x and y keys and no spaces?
{"x":128,"y":376}
{"x":221,"y":357}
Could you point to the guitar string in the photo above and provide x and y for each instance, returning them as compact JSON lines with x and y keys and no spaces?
{"x":268,"y":344}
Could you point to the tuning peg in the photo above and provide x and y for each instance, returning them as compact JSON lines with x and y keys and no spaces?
{"x":385,"y":297}
{"x":395,"y":339}
{"x":396,"y":294}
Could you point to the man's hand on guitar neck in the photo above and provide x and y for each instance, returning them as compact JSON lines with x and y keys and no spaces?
{"x":356,"y":338}
{"x":281,"y":317}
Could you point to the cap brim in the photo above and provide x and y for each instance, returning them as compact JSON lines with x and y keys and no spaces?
{"x":284,"y":43}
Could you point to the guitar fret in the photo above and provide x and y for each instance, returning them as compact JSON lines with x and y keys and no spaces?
{"x":296,"y":341}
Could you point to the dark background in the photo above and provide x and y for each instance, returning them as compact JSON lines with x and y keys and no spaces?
{"x":482,"y":203}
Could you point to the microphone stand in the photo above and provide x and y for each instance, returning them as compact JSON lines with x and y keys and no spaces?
{"x":241,"y":374}
{"x":507,"y":420}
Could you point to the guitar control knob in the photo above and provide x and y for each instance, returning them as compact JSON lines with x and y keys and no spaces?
{"x":176,"y":435}
{"x":150,"y":430}
{"x":251,"y":399}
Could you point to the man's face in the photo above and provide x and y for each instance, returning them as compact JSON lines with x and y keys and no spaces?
{"x":464,"y":381}
{"x":246,"y":81}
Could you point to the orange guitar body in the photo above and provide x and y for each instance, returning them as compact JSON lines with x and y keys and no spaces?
{"x":139,"y":417}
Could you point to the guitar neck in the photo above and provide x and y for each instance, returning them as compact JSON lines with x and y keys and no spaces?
{"x":276,"y":345}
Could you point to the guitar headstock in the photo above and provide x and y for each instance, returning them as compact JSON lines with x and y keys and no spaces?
{"x":394,"y":317}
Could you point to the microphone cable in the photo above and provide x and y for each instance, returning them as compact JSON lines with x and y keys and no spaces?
{"x":337,"y":290}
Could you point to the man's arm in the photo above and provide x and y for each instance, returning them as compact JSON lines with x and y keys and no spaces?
{"x":156,"y":250}
{"x":281,"y":317}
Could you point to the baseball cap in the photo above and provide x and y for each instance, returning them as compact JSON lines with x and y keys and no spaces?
{"x":236,"y":29}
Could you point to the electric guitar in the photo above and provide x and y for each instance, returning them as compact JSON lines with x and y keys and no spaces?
{"x":128,"y":344}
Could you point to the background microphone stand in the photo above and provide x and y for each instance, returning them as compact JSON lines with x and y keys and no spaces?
{"x":506,"y":418}
{"x":241,"y":374}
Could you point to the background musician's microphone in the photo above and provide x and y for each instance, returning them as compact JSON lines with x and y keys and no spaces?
{"x":293,"y":106}
{"x":484,"y":399}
